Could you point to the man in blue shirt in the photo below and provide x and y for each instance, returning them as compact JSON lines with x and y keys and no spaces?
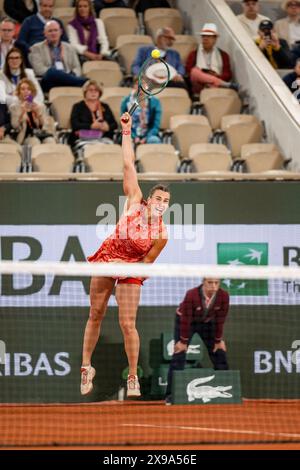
{"x":165,"y":38}
{"x":32,"y":29}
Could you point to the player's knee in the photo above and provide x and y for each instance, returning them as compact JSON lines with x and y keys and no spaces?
{"x":127,"y":327}
{"x":96,"y":315}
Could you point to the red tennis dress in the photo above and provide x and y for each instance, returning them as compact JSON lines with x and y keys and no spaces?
{"x":132,"y":239}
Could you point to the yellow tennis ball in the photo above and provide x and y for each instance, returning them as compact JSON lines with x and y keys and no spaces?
{"x":155,"y":54}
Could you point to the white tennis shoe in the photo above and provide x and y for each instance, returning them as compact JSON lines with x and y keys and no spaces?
{"x":133,"y":386}
{"x":87,"y":375}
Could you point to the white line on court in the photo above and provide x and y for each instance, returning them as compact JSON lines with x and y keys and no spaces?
{"x":220,"y":430}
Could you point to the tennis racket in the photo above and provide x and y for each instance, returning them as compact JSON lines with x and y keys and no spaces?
{"x":153,"y":78}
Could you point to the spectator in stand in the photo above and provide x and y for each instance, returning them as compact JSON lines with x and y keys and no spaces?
{"x":100,"y":4}
{"x":32,"y":29}
{"x":209,"y":66}
{"x":7,"y":32}
{"x":288,"y":28}
{"x":204,"y":311}
{"x":250,"y":18}
{"x":29,"y":118}
{"x":141,"y":5}
{"x":87,"y":34}
{"x":55,"y":60}
{"x":145,"y":120}
{"x":19,"y":10}
{"x":292,"y":80}
{"x":5,"y":125}
{"x":165,"y":38}
{"x":274,"y":49}
{"x":91,"y":114}
{"x":13,"y":71}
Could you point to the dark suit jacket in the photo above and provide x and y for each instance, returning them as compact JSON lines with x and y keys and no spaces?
{"x":193,"y":310}
{"x":81,"y":118}
{"x":17,"y":10}
{"x":5,"y":118}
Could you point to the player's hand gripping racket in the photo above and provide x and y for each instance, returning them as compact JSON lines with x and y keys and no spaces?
{"x":153,"y":78}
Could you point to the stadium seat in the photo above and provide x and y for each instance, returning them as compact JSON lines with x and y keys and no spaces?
{"x":10,"y":158}
{"x":52,"y":158}
{"x":113,"y":97}
{"x":65,"y":14}
{"x":61,"y":101}
{"x":219,"y":102}
{"x":261,"y":157}
{"x":209,"y":157}
{"x":63,"y":3}
{"x":161,"y":158}
{"x":118,"y":21}
{"x":103,"y":158}
{"x":184,"y":44}
{"x":189,"y":129}
{"x":173,"y":101}
{"x":127,"y":46}
{"x":105,"y":72}
{"x":241,"y":129}
{"x":155,"y":18}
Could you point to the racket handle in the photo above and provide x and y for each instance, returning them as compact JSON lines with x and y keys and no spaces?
{"x":131,"y":111}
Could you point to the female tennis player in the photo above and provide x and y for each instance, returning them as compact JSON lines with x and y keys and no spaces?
{"x":140,"y":236}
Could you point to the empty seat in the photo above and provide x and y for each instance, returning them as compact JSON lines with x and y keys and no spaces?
{"x":103,"y":158}
{"x":105,"y":72}
{"x":189,"y":129}
{"x":261,"y":157}
{"x":127,"y":46}
{"x":219,"y":102}
{"x":62,"y":100}
{"x":10,"y":158}
{"x":155,"y":18}
{"x":160,"y":158}
{"x":241,"y":129}
{"x":184,"y":44}
{"x":63,"y":3}
{"x":209,"y":157}
{"x":173,"y":101}
{"x":118,"y":21}
{"x":65,"y":14}
{"x":52,"y":158}
{"x":113,"y":97}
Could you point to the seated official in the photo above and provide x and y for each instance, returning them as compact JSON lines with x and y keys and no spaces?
{"x":203,"y":311}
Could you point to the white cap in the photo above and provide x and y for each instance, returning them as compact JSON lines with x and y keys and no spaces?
{"x":209,"y":29}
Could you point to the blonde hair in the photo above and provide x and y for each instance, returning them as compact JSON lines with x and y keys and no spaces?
{"x":89,"y":83}
{"x":29,"y":83}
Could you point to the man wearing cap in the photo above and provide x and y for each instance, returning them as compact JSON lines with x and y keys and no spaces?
{"x":209,"y":66}
{"x":288,"y":28}
{"x":250,"y":18}
{"x":165,"y":38}
{"x":274,"y":49}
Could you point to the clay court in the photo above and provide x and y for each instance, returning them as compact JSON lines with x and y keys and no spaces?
{"x":152,"y":425}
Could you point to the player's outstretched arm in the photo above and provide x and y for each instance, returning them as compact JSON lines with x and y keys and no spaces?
{"x":130,"y":181}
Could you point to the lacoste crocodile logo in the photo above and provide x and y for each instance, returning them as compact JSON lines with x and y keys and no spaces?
{"x":196,"y":391}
